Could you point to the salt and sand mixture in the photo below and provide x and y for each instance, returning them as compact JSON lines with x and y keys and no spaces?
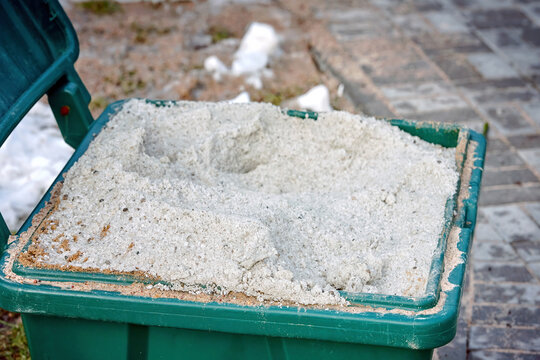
{"x":222,"y":197}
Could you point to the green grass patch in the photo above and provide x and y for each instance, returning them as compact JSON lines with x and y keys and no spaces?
{"x":101,"y":7}
{"x":219,"y":33}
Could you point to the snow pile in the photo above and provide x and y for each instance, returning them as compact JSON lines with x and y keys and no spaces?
{"x":242,"y":198}
{"x":243,"y":97}
{"x":258,"y":45}
{"x":316,"y":99}
{"x":30,"y":159}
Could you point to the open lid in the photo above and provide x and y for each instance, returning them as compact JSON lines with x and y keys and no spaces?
{"x":38,"y":48}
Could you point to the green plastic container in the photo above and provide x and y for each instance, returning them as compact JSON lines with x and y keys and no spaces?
{"x":38,"y":49}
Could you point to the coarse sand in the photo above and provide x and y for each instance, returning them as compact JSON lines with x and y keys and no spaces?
{"x":221,"y":197}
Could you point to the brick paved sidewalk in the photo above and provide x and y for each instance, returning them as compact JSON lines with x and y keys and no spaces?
{"x":464,"y":61}
{"x":468,"y":62}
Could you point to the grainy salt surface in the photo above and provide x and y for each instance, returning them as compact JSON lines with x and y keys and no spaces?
{"x":239,"y":197}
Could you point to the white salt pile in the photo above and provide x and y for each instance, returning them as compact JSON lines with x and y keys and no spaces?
{"x":239,"y":197}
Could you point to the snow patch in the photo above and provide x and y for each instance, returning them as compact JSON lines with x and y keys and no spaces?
{"x":258,"y":45}
{"x":316,"y":99}
{"x":31,"y":158}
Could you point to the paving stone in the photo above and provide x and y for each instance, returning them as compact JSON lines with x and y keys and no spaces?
{"x":346,"y":32}
{"x":495,"y":84}
{"x":457,"y":348}
{"x":525,"y":59}
{"x":437,"y":45}
{"x":534,"y":211}
{"x":446,"y":22}
{"x":531,"y":35}
{"x":535,"y":269}
{"x":492,"y":251}
{"x":503,"y":315}
{"x":486,"y":232}
{"x":456,"y":67}
{"x":502,"y":37}
{"x":502,"y":158}
{"x":491,"y":66}
{"x":464,"y":115}
{"x":497,"y":196}
{"x":509,"y":120}
{"x":427,"y":5}
{"x":533,"y":110}
{"x":485,"y":19}
{"x":411,"y":90}
{"x":528,"y":250}
{"x":532,"y":157}
{"x":496,"y":144}
{"x":501,"y":355}
{"x":524,"y":294}
{"x":525,"y":141}
{"x":493,"y":96}
{"x":412,"y":24}
{"x":512,"y":223}
{"x":482,"y":337}
{"x":430,"y":104}
{"x":501,"y":272}
{"x":366,"y":101}
{"x":507,"y":177}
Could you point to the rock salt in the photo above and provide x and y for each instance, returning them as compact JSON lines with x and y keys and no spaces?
{"x":222,"y":197}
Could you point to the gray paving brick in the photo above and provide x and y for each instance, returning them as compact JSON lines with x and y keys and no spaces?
{"x":504,"y":338}
{"x":447,"y":22}
{"x":499,"y":18}
{"x":437,"y":45}
{"x":534,"y":211}
{"x":496,"y":84}
{"x":412,"y":24}
{"x":459,"y":115}
{"x":491,"y":66}
{"x":531,"y":35}
{"x":528,"y":250}
{"x":493,"y":251}
{"x":495,"y":196}
{"x":503,"y":315}
{"x":509,"y":121}
{"x":533,"y":110}
{"x":412,"y":90}
{"x":430,"y":104}
{"x":500,"y":272}
{"x":497,"y":159}
{"x":535,"y":269}
{"x":525,"y":59}
{"x":485,"y":232}
{"x":523,"y":294}
{"x":502,"y":37}
{"x":457,"y":348}
{"x":532,"y":158}
{"x":501,"y":355}
{"x":507,"y":177}
{"x":497,"y":144}
{"x":511,"y":222}
{"x":456,"y":67}
{"x":525,"y":141}
{"x":491,"y":96}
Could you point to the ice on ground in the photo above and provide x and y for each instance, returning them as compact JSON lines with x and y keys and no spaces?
{"x":258,"y":45}
{"x":30,"y":159}
{"x":316,"y":99}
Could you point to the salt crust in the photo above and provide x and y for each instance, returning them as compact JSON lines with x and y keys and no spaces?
{"x":239,"y":197}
